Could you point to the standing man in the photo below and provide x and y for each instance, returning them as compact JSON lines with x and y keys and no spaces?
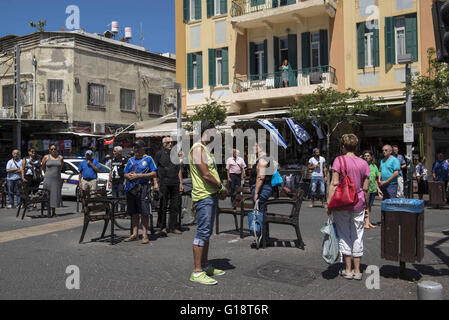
{"x":207,"y":187}
{"x":138,"y":172}
{"x":440,"y":170}
{"x":14,"y":177}
{"x":170,"y":179}
{"x":235,"y":166}
{"x":116,"y":175}
{"x":88,"y":169}
{"x":389,"y":172}
{"x":319,"y":176}
{"x":403,"y":164}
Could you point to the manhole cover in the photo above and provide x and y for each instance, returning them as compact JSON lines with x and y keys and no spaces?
{"x":286,"y":273}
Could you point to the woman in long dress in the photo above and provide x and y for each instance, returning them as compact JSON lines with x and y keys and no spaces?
{"x":52,"y":165}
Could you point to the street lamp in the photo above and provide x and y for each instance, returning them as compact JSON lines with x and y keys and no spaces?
{"x":408,"y":126}
{"x":170,"y":84}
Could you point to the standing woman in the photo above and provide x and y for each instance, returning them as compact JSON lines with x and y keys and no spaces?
{"x":374,"y":188}
{"x":350,"y":221}
{"x":52,"y":165}
{"x":284,"y":76}
{"x":31,"y":171}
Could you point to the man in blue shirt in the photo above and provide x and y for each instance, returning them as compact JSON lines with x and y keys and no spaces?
{"x":138,"y":172}
{"x":88,"y":169}
{"x":389,"y":172}
{"x":14,"y":176}
{"x":440,"y":170}
{"x":403,"y":164}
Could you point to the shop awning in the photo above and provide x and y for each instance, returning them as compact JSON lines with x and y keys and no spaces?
{"x":163,"y":129}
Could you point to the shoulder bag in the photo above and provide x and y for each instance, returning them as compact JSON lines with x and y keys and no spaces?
{"x":346,"y":193}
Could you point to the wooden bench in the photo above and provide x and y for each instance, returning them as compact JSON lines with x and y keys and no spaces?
{"x":32,"y":196}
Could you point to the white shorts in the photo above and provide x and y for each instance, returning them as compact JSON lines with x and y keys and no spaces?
{"x":350,"y":227}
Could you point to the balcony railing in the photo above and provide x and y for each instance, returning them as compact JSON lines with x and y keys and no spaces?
{"x":242,"y":7}
{"x":296,"y":78}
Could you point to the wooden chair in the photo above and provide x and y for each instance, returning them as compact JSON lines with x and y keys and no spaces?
{"x":32,"y":196}
{"x":278,"y":218}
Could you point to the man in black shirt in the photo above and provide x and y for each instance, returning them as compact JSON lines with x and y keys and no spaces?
{"x":170,"y":177}
{"x":116,"y":176}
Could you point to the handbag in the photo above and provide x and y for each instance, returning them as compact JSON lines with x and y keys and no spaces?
{"x":346,"y":193}
{"x":330,"y":247}
{"x":276,"y":179}
{"x":255,"y":222}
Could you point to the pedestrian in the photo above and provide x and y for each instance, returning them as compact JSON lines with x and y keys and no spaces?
{"x":350,"y":221}
{"x":108,"y":161}
{"x":373,"y":186}
{"x":139,"y":170}
{"x":440,"y":170}
{"x":14,"y":177}
{"x":389,"y":172}
{"x":235,"y":167}
{"x":319,"y":176}
{"x":32,"y":171}
{"x":170,"y":183}
{"x":52,"y":166}
{"x":207,"y":188}
{"x":116,"y":175}
{"x":285,"y":68}
{"x":403,"y":164}
{"x":88,"y":170}
{"x":422,"y":178}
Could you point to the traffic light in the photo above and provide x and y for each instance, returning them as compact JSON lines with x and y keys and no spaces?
{"x":440,"y":12}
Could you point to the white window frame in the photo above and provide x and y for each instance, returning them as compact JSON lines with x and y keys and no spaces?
{"x":195,"y":71}
{"x":369,"y":58}
{"x":260,"y":54}
{"x":218,"y":7}
{"x":132,"y":106}
{"x":311,"y":50}
{"x":218,"y":68}
{"x":396,"y":39}
{"x":192,"y":10}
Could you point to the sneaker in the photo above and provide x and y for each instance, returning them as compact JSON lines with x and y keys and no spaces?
{"x":348,"y":276}
{"x":203,"y":279}
{"x":9,"y":207}
{"x":211,"y":271}
{"x":357,"y":276}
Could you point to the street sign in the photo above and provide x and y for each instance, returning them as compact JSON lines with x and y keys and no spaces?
{"x":409,"y":134}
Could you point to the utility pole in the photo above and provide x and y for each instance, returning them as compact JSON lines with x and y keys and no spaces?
{"x":17,"y":98}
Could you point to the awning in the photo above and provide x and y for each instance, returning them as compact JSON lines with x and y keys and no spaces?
{"x":79,"y":134}
{"x":163,"y":129}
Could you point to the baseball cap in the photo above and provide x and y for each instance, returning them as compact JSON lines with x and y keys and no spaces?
{"x":90,"y":152}
{"x":139,"y":143}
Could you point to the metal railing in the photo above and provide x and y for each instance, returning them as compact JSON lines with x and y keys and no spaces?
{"x":292,"y":78}
{"x":242,"y":7}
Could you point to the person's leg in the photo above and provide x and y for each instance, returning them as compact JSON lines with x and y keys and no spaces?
{"x":163,"y":211}
{"x":392,"y":190}
{"x":205,"y":255}
{"x":313,"y":184}
{"x":145,"y":220}
{"x":357,"y":233}
{"x":174,"y":208}
{"x":400,"y":192}
{"x":323,"y":191}
{"x":10,"y":184}
{"x":135,"y":225}
{"x":342,"y":221}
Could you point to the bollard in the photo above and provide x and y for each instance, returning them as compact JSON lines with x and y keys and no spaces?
{"x":429,"y":290}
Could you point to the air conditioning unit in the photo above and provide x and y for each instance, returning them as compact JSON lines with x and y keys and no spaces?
{"x":170,"y":101}
{"x":98,"y":128}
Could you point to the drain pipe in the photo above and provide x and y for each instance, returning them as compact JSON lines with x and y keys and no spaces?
{"x":34,"y":87}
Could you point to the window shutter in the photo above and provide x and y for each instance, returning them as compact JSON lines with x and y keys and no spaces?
{"x":411,"y":36}
{"x":252,"y":60}
{"x":376,"y":47}
{"x":305,"y":44}
{"x":225,"y":67}
{"x":265,"y":59}
{"x":224,"y":6}
{"x":186,"y":4}
{"x":291,"y":2}
{"x":276,"y":61}
{"x":189,"y":71}
{"x":361,"y":45}
{"x":293,"y":60}
{"x":324,"y":51}
{"x":274,"y":3}
{"x":212,"y":76}
{"x":210,"y":8}
{"x":199,"y":61}
{"x":389,"y":41}
{"x":197,"y":9}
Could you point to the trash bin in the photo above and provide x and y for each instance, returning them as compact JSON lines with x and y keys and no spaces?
{"x":402,"y":233}
{"x":437,"y":193}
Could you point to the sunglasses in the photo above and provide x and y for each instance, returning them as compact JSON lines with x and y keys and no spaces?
{"x":53,"y":149}
{"x":171,"y":142}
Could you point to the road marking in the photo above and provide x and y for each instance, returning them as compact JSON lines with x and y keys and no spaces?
{"x":41,"y":230}
{"x":435,"y":235}
{"x":432,"y":243}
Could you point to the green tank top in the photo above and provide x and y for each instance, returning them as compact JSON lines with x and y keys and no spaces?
{"x":201,"y":188}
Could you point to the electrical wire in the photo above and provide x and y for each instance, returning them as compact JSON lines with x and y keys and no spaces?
{"x":6,"y":71}
{"x":6,"y":61}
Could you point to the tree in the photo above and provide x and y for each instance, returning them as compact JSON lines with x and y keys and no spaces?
{"x":39,"y":26}
{"x":211,"y":111}
{"x":331,"y":108}
{"x":430,"y":91}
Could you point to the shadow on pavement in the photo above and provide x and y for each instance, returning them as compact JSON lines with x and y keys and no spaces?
{"x":222,"y":264}
{"x":392,"y":272}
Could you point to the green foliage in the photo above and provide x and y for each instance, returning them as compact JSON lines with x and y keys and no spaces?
{"x":431,"y":90}
{"x":211,"y":111}
{"x":39,"y":26}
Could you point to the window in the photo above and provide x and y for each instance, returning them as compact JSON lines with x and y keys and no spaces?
{"x":219,"y":7}
{"x":155,"y":103}
{"x":399,"y":35}
{"x":219,"y":67}
{"x":26,"y":93}
{"x":195,"y":71}
{"x":369,"y":48}
{"x":315,"y":47}
{"x":8,"y":96}
{"x":96,"y":95}
{"x":127,"y":100}
{"x":259,"y":58}
{"x":55,"y":90}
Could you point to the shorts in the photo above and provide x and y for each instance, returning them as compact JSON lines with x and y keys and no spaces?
{"x":139,"y":204}
{"x":314,"y":185}
{"x":372,"y":197}
{"x":423,"y":187}
{"x":205,"y":216}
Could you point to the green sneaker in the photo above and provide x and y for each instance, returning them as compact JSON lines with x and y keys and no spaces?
{"x":211,"y":271}
{"x":203,"y":279}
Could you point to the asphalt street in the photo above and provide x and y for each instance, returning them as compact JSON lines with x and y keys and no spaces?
{"x":36,"y":254}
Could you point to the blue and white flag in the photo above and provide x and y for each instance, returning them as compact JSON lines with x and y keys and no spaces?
{"x":273,"y":132}
{"x":299,"y":132}
{"x":319,"y":131}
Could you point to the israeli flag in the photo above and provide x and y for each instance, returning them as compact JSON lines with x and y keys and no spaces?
{"x":319,"y":131}
{"x":299,"y":132}
{"x":273,"y":132}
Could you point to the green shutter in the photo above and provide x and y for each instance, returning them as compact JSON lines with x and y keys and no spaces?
{"x":376,"y":47}
{"x":411,"y":36}
{"x":189,"y":71}
{"x":212,"y":75}
{"x":186,"y":5}
{"x":210,"y":8}
{"x":197,"y":9}
{"x":225,"y":67}
{"x":291,"y":2}
{"x":389,"y":41}
{"x":361,"y":45}
{"x":274,"y":3}
{"x":324,"y":51}
{"x":265,"y":59}
{"x":252,"y":60}
{"x":277,"y":76}
{"x":305,"y":44}
{"x":224,"y":6}
{"x":293,"y":60}
{"x":199,"y":63}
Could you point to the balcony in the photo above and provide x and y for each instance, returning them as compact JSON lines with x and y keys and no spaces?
{"x":271,"y":85}
{"x":247,"y":14}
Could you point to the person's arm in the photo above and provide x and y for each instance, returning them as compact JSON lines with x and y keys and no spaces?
{"x":365,"y":189}
{"x":23,"y":170}
{"x":94,"y":165}
{"x":13,"y":169}
{"x":261,"y":168}
{"x":198,"y":160}
{"x":62,"y":164}
{"x":325,"y":171}
{"x":181,"y":185}
{"x":333,"y":186}
{"x":394,"y":176}
{"x":44,"y":164}
{"x":227,"y":171}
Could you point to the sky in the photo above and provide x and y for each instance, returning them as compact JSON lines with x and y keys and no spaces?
{"x":157,"y":17}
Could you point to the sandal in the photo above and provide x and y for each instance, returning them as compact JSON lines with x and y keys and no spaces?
{"x":132,"y":238}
